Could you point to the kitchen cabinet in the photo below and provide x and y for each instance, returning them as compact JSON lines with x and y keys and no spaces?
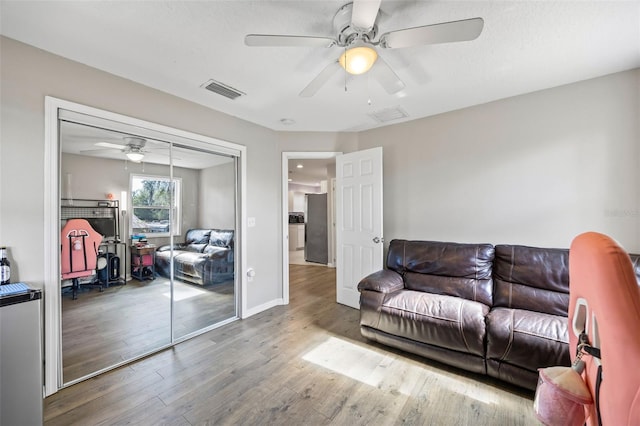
{"x":296,"y":236}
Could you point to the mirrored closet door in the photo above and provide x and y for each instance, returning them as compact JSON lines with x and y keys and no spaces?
{"x":165,"y":268}
{"x":204,"y":255}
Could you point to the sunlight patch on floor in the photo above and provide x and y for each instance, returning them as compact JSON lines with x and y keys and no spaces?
{"x":347,"y":359}
{"x":182,"y":293}
{"x":375,"y":369}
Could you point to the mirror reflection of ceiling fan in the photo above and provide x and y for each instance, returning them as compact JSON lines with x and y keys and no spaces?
{"x":133,"y":148}
{"x":356,"y":31}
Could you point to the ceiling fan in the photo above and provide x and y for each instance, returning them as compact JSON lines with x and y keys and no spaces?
{"x":356,"y":31}
{"x":133,"y":148}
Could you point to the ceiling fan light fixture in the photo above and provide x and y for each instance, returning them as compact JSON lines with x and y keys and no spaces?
{"x":136,"y":157}
{"x":358,"y":60}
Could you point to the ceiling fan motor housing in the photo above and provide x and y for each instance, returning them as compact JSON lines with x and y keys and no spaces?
{"x":346,"y":33}
{"x":135,"y":142}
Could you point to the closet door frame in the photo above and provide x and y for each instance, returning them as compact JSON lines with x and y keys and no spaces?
{"x":52,"y":324}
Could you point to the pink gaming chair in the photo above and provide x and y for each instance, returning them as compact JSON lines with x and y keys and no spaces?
{"x":605,"y":307}
{"x":79,"y":254}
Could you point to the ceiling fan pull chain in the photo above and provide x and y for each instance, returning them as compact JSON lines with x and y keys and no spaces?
{"x":345,"y":70}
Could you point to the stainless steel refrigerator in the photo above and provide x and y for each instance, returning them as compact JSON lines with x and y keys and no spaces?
{"x":316,"y":228}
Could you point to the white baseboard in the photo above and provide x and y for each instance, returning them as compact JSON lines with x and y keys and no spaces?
{"x":260,"y":308}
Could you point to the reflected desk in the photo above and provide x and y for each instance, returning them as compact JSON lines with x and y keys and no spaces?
{"x":143,"y":260}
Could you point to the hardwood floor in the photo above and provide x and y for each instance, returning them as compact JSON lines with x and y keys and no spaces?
{"x":101,"y":329}
{"x":305,"y":363}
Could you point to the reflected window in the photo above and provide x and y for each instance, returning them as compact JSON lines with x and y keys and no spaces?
{"x":154,"y":209}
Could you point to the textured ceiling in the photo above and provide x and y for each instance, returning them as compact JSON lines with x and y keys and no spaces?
{"x":176,"y":46}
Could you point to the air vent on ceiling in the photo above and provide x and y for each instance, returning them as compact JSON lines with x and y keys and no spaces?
{"x":222,"y":89}
{"x":388,"y":114}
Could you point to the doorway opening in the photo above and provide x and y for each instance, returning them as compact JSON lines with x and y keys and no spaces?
{"x":302,"y":245}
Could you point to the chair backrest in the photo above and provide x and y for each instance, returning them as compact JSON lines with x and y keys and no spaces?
{"x":605,"y":303}
{"x":79,"y":252}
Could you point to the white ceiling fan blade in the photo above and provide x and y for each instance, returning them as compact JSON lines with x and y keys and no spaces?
{"x":99,"y":151}
{"x":446,"y":32}
{"x":387,"y":78}
{"x":266,"y":40}
{"x":110,"y":145}
{"x":320,"y":80}
{"x":364,"y":13}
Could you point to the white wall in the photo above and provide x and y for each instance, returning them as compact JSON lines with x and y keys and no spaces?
{"x":217,"y":197}
{"x":317,"y":141}
{"x":536,"y":169}
{"x":29,"y":74}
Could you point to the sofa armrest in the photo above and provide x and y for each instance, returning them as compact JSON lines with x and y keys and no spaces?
{"x":384,"y":281}
{"x":218,"y":254}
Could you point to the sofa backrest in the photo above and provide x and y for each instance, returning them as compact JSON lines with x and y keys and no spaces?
{"x":453,"y":269}
{"x":197,"y":236}
{"x":531,"y":278}
{"x":203,"y":240}
{"x":196,"y":240}
{"x":221,"y":238}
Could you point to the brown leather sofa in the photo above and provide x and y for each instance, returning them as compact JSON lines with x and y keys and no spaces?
{"x":497,"y":310}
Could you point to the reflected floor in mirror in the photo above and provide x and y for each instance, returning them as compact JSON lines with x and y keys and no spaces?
{"x":101,"y":329}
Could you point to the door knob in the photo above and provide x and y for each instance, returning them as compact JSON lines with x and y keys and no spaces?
{"x":378,"y":240}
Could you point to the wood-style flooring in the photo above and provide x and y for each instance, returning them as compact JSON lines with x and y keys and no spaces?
{"x":301,"y":364}
{"x":102,"y":329}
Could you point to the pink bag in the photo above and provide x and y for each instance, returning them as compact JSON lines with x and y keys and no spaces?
{"x":561,"y":397}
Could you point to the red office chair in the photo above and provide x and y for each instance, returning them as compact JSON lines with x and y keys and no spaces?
{"x":604,"y":309}
{"x":79,"y":252}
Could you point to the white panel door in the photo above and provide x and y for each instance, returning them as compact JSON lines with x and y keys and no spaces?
{"x":358,"y":221}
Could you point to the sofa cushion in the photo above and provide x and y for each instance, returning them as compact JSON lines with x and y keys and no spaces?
{"x":188,"y":263}
{"x":215,"y":251}
{"x":195,"y":247}
{"x":528,"y":340}
{"x":452,"y":269}
{"x":197,"y":236}
{"x":221,"y":238}
{"x":531,"y":278}
{"x":444,"y":321}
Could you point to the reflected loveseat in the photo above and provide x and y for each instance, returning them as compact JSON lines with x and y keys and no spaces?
{"x":206,"y":257}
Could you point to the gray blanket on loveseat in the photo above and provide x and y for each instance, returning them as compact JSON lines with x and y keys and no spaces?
{"x":206,"y":257}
